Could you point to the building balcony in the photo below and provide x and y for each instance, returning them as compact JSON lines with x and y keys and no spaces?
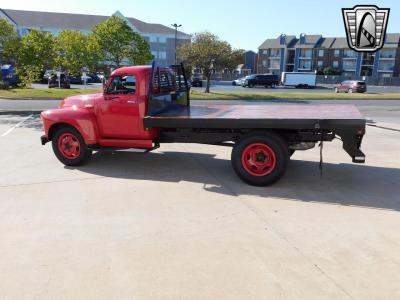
{"x":387,"y":58}
{"x":305,"y":57}
{"x":350,"y":57}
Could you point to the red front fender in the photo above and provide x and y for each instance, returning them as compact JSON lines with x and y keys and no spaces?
{"x":82,"y":119}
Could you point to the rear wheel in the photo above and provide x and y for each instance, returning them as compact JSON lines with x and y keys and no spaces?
{"x":69,"y":146}
{"x":336,"y":90}
{"x":350,"y":91}
{"x":260,"y":159}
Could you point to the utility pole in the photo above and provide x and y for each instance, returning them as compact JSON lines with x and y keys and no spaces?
{"x":176,"y":26}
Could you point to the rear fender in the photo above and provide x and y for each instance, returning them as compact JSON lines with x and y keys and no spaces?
{"x":81,"y":119}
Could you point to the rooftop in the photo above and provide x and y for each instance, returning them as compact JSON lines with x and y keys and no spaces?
{"x":40,"y":19}
{"x":276,"y":43}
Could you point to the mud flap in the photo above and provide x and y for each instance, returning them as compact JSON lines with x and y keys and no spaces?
{"x":351,"y":144}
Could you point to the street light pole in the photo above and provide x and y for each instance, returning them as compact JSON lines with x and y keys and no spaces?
{"x":176,"y":26}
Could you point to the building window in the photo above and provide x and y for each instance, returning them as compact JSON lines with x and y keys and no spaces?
{"x":321,"y":53}
{"x":349,"y":65}
{"x":275,"y":64}
{"x":388,"y":53}
{"x":264,"y":63}
{"x":305,"y":64}
{"x":275,"y":53}
{"x":320,"y":64}
{"x":265,"y":52}
{"x":337,"y":52}
{"x":162,"y":55}
{"x":348,"y":53}
{"x":306,"y":53}
{"x":335,"y":64}
{"x":162,"y":39}
{"x":154,"y":53}
{"x":386,"y":65}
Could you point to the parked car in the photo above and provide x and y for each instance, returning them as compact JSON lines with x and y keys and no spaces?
{"x":75,"y":79}
{"x":9,"y":76}
{"x":351,"y":86}
{"x":46,"y":75}
{"x":267,"y":80}
{"x":197,"y":80}
{"x":62,"y":82}
{"x":238,"y":82}
{"x":94,"y":78}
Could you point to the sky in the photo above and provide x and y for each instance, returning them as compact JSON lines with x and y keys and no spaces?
{"x":244,"y":24}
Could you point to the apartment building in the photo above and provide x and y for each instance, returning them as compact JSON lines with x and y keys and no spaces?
{"x":310,"y":53}
{"x":161,"y":38}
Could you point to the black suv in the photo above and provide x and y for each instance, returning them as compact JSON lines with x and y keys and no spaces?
{"x":267,"y":80}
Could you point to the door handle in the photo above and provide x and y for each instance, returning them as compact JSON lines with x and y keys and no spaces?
{"x":112,"y":97}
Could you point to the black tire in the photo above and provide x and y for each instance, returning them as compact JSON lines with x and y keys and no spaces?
{"x":275,"y":143}
{"x":250,"y":85}
{"x":84,"y":153}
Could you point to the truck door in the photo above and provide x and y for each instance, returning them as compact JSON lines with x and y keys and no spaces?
{"x":119,"y":112}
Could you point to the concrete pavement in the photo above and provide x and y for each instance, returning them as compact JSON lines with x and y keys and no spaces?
{"x":178,"y":223}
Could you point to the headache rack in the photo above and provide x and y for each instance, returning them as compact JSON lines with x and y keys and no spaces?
{"x":168,"y":89}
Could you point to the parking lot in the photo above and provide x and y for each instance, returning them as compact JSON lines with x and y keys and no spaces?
{"x":178,"y":224}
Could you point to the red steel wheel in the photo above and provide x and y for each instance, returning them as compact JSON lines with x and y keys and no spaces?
{"x":69,"y":146}
{"x":258,"y":159}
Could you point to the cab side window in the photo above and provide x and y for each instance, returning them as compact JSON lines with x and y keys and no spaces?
{"x":122,"y":85}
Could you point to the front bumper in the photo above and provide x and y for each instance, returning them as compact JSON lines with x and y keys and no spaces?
{"x":44,"y":139}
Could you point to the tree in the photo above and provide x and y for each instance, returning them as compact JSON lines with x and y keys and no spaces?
{"x":8,"y":38}
{"x":33,"y":53}
{"x":118,"y":42}
{"x":75,"y":50}
{"x":208,"y":53}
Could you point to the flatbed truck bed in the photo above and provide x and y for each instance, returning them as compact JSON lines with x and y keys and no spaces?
{"x":273,"y":116}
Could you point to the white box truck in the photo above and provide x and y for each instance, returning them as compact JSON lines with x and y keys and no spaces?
{"x":299,"y":79}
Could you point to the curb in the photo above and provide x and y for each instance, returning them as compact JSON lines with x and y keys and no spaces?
{"x":19,"y":112}
{"x":41,"y":99}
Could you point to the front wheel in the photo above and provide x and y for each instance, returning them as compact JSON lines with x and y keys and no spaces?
{"x":260,"y":159}
{"x":350,"y":91}
{"x":336,"y":90}
{"x":69,"y":147}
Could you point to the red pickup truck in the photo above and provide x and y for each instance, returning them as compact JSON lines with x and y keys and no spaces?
{"x":144,"y":106}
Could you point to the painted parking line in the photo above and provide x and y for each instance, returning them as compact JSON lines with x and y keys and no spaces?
{"x":17,"y":125}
